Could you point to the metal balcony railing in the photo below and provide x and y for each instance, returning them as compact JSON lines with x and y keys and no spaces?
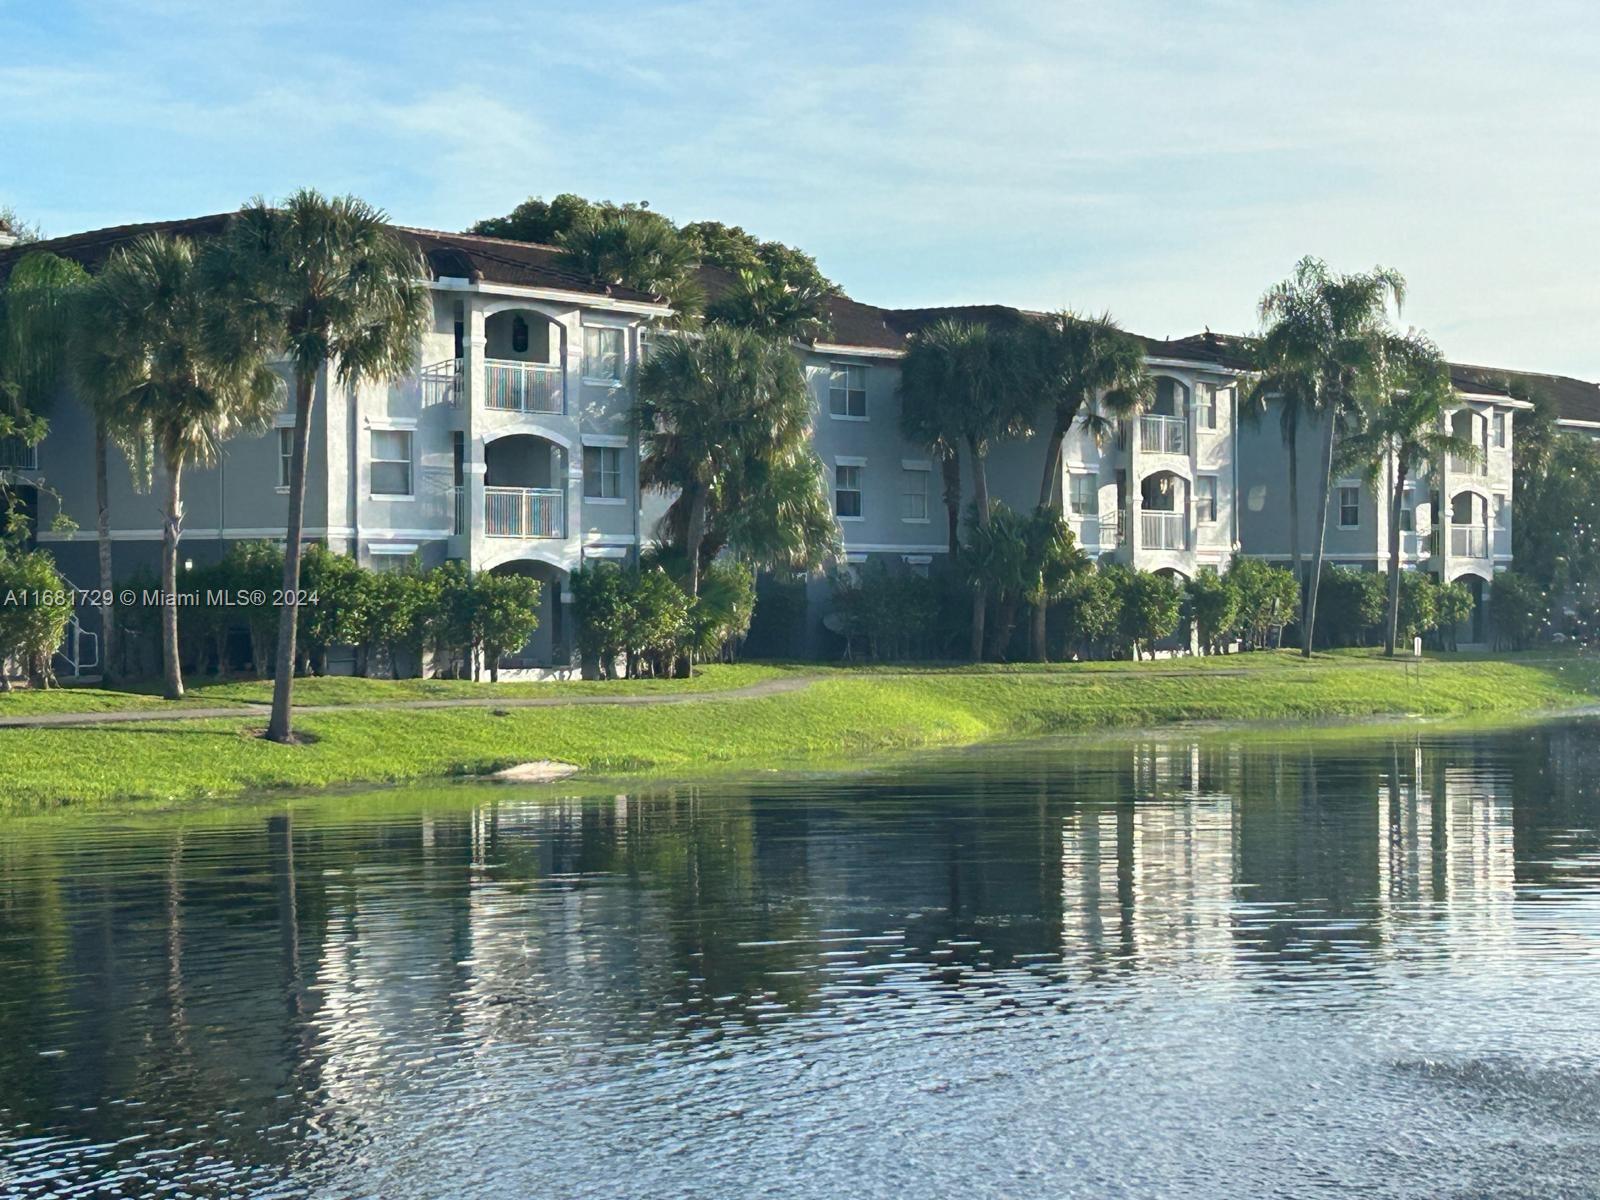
{"x":523,"y":387}
{"x":1468,"y":542}
{"x":458,"y":509}
{"x":1163,"y":435}
{"x":1163,"y":531}
{"x":511,"y":512}
{"x":17,"y":455}
{"x":441,"y":384}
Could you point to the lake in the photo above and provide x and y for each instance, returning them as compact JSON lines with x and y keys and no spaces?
{"x":1192,"y":966}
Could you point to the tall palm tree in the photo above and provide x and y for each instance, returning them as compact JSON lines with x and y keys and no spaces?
{"x":972,"y":380}
{"x":763,"y":300}
{"x":636,"y":248}
{"x":1293,"y":394}
{"x":1405,"y":396}
{"x":723,"y":418}
{"x":1324,"y":329}
{"x":1090,"y":371}
{"x":165,"y":367}
{"x":329,"y":284}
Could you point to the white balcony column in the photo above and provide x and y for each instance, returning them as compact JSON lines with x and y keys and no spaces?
{"x":473,"y":357}
{"x":573,"y":517}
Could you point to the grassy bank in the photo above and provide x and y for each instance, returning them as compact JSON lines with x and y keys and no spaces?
{"x":843,"y":712}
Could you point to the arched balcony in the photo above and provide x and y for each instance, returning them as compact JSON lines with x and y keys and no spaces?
{"x":1164,"y":512}
{"x":522,"y":370}
{"x":1469,"y":525}
{"x":1164,"y":429}
{"x":525,"y":488}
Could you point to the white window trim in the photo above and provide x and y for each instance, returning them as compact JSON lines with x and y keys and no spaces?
{"x":386,"y":549}
{"x":1216,"y":500}
{"x":392,"y":425}
{"x":602,"y":441}
{"x":605,"y":381}
{"x":610,"y":441}
{"x":866,"y":414}
{"x":848,"y":460}
{"x":926,"y":468}
{"x":1346,"y":487}
{"x":278,"y":427}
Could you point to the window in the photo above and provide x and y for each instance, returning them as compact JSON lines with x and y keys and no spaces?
{"x":1502,"y":511}
{"x":1349,"y":507}
{"x":847,"y":392}
{"x":1084,"y":494}
{"x":1408,"y":520}
{"x":1205,"y":499}
{"x":391,"y":462}
{"x":1499,"y":430}
{"x":285,"y":454}
{"x":914,"y":493}
{"x":847,"y":492}
{"x":602,"y":472}
{"x":918,"y":564}
{"x":602,"y":353}
{"x":1206,"y":405}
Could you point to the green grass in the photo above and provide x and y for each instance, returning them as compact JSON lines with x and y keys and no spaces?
{"x":350,"y":690}
{"x":845,"y":714}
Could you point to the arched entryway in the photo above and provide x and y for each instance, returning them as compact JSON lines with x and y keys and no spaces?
{"x":551,"y":644}
{"x":1474,"y":631}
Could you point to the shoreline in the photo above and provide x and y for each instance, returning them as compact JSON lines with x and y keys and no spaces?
{"x":821,"y":715}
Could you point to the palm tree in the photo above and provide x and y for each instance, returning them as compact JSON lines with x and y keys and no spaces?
{"x":1088,"y":370}
{"x":763,"y":300}
{"x":327,"y":283}
{"x":1405,"y":395}
{"x":723,"y":417}
{"x":165,"y":367}
{"x":36,"y":303}
{"x":636,"y":248}
{"x":1295,"y":397}
{"x":970,"y":381}
{"x":1323,"y":330}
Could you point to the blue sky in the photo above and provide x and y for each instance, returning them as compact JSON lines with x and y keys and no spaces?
{"x":1164,"y":161}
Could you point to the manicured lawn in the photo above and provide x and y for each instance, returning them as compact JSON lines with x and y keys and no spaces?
{"x":845,"y":714}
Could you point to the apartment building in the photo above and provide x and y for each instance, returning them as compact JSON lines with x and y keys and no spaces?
{"x":1455,"y":518}
{"x":510,"y":448}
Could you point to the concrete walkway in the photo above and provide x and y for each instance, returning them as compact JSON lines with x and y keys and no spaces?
{"x":751,"y":691}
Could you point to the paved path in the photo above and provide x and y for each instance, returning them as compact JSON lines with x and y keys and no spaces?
{"x":751,"y":691}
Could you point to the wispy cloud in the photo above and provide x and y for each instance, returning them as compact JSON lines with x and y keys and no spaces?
{"x":1165,"y":159}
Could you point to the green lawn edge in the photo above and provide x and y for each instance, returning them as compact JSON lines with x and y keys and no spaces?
{"x":843,"y":713}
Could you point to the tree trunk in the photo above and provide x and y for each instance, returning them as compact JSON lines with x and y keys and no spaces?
{"x":950,"y":467}
{"x":694,"y":537}
{"x":172,"y":669}
{"x":1309,"y":624}
{"x":1292,"y":442}
{"x":1391,"y":626}
{"x":1050,"y":496}
{"x":1037,"y":634}
{"x":980,"y":593}
{"x":280,"y":728}
{"x":108,"y":609}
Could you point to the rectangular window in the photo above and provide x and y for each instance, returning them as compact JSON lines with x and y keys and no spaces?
{"x":847,"y":392}
{"x":1205,"y":499}
{"x":847,"y":492}
{"x":391,"y":462}
{"x":914,"y":494}
{"x":1408,"y":520}
{"x":1206,"y":405}
{"x":602,"y":353}
{"x":1084,"y":494}
{"x":602,"y":472}
{"x":1500,"y":430}
{"x":1502,"y":511}
{"x":1349,"y":507}
{"x":285,"y":453}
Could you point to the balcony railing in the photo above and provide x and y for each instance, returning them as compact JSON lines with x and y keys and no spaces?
{"x":1163,"y":531}
{"x":441,"y":384}
{"x":17,"y":455}
{"x":1468,"y":542}
{"x":458,"y":509}
{"x":1163,"y":435}
{"x":524,"y":512}
{"x":523,"y":387}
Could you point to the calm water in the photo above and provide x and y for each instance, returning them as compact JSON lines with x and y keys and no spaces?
{"x":1175,"y":968}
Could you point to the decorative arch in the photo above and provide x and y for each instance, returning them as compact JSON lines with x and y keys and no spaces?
{"x":557,"y":314}
{"x":518,"y":428}
{"x":523,"y":552}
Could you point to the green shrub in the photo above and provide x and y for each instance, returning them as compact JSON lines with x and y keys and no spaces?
{"x":1213,"y":603}
{"x":1269,"y":600}
{"x":1519,"y":611}
{"x":35,"y":608}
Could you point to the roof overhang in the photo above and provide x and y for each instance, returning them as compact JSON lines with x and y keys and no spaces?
{"x":557,"y":295}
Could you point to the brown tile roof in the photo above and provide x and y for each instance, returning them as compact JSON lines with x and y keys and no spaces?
{"x":459,"y":255}
{"x":1574,"y":399}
